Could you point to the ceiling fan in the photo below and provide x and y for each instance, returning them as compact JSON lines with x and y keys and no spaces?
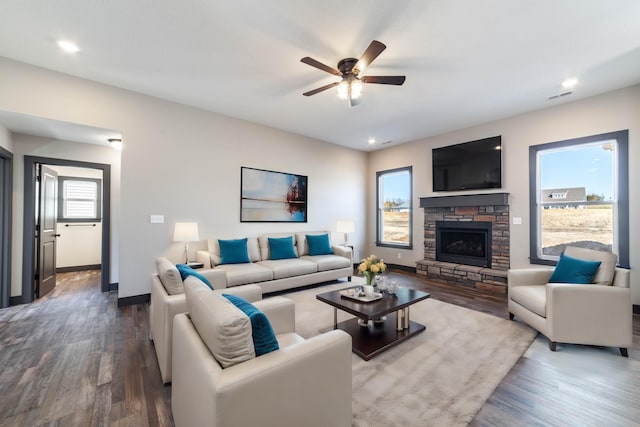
{"x":350,"y":87}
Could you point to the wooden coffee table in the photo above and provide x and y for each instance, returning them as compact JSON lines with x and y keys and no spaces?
{"x":378,"y":336}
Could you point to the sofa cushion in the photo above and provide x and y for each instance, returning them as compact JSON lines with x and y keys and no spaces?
{"x":533,"y":298}
{"x":264,"y":339}
{"x":169,"y":276}
{"x":234,"y":251}
{"x":607,"y":269}
{"x":223,"y":327}
{"x":242,"y":274}
{"x":186,"y":271}
{"x":301,"y":241}
{"x":319,"y":244}
{"x":573,"y":270}
{"x":289,"y":267}
{"x":252,"y":247}
{"x":263,"y":243}
{"x":281,"y":248}
{"x":328,"y":262}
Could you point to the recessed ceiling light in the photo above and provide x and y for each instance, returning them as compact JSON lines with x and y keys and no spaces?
{"x":372,"y":140}
{"x":68,"y":46}
{"x":570,"y":83}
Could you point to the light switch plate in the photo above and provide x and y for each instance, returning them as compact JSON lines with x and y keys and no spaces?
{"x":517,"y":220}
{"x":156,"y":219}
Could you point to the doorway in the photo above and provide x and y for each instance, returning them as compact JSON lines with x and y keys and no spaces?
{"x":6,"y":191}
{"x":29,"y":261}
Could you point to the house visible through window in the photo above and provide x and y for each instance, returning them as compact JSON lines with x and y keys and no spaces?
{"x":79,"y":199}
{"x":394,"y":210}
{"x":579,"y":196}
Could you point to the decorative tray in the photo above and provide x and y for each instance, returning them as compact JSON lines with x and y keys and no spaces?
{"x":360,"y":296}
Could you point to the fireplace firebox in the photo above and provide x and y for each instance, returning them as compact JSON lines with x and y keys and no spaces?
{"x":464,"y":242}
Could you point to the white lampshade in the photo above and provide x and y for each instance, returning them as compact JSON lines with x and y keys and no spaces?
{"x":346,"y":226}
{"x":186,"y":232}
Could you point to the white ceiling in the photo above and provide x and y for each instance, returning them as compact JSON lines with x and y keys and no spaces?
{"x":466,"y":61}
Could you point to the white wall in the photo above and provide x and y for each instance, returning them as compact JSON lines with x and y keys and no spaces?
{"x":613,"y":111}
{"x":184,"y":163}
{"x":5,"y":138}
{"x":79,"y":243}
{"x":29,"y":145}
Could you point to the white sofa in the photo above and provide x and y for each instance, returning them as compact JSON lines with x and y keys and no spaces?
{"x":303,"y":383}
{"x":277,"y":275}
{"x":165,"y":306}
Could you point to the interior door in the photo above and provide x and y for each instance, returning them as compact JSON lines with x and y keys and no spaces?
{"x":47,"y":229}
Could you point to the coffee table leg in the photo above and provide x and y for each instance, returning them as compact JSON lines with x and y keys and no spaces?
{"x":335,"y":318}
{"x":402,"y":319}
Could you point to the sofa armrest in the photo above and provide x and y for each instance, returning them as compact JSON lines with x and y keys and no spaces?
{"x":344,"y":251}
{"x":163,"y":308}
{"x":528,"y":276}
{"x":218,"y":278}
{"x":622,"y":278}
{"x":590,"y":314}
{"x":281,"y":313}
{"x":205,"y":258}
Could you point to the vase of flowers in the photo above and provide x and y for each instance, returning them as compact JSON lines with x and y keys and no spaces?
{"x":370,"y":267}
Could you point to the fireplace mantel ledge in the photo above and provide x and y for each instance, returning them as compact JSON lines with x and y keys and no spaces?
{"x":489,"y":199}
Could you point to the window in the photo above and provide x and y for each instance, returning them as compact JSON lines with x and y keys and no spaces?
{"x":79,"y":199}
{"x":394,"y":209}
{"x":579,"y":196}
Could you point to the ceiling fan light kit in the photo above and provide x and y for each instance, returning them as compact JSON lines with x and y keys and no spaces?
{"x":350,"y":87}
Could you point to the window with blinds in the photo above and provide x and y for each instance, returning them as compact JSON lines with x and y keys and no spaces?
{"x":80,"y":199}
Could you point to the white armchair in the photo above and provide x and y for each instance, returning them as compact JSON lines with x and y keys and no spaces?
{"x":303,"y":383}
{"x":574,"y":313}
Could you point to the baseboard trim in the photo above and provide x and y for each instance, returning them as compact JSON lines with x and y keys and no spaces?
{"x":78,"y":268}
{"x":113,"y":287}
{"x":137,"y":299}
{"x":636,"y":309}
{"x":15,"y":300}
{"x":402,"y":267}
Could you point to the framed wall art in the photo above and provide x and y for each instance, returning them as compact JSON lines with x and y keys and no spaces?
{"x":268,"y":196}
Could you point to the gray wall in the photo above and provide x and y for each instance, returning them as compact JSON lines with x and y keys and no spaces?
{"x":600,"y":114}
{"x":183,"y":163}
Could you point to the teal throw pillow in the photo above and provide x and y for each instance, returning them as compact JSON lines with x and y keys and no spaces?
{"x":573,"y":270}
{"x":319,"y":244}
{"x":186,"y":271}
{"x":282,"y":248}
{"x":234,"y":251}
{"x":264,"y":339}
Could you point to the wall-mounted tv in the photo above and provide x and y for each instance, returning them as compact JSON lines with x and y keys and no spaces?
{"x":473,"y":165}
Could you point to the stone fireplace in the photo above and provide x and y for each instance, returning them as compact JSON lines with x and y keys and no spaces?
{"x":466,"y":240}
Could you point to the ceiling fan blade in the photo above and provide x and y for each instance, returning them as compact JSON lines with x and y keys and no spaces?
{"x":384,"y":80}
{"x":320,"y":66}
{"x":321,"y":89}
{"x":372,"y":52}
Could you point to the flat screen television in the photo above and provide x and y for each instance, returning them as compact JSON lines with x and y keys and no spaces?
{"x":473,"y":165}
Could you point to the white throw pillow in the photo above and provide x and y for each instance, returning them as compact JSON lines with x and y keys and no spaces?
{"x":169,"y":276}
{"x":223,"y":327}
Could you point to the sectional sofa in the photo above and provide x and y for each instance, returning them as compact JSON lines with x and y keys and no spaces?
{"x":260,"y":275}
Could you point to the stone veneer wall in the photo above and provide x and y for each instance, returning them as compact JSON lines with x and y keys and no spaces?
{"x":491,"y":208}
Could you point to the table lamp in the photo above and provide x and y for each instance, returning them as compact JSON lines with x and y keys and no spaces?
{"x":186,"y":232}
{"x":346,"y":227}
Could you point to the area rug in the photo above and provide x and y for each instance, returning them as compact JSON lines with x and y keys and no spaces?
{"x":441,"y":377}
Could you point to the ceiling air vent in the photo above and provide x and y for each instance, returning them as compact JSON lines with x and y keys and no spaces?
{"x":560,"y":95}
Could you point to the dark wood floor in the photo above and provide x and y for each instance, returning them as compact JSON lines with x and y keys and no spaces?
{"x":74,"y":359}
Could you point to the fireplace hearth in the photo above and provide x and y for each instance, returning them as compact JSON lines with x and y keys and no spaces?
{"x":467,"y":243}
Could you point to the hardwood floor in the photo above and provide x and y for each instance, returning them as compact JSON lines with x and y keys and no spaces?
{"x":74,"y":359}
